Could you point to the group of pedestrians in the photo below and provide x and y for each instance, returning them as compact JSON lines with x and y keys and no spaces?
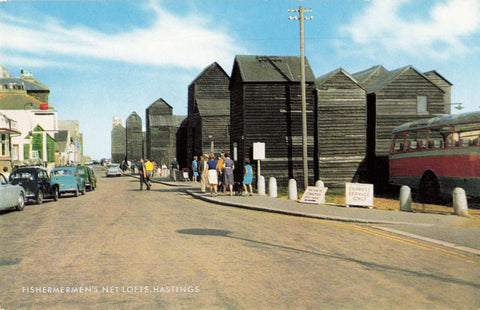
{"x":220,"y":172}
{"x":211,"y":171}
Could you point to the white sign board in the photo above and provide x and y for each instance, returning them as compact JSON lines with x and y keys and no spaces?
{"x":359,"y":194}
{"x":258,"y":150}
{"x":314,"y":195}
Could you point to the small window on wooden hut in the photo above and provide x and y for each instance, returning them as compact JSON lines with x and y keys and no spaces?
{"x":421,"y":104}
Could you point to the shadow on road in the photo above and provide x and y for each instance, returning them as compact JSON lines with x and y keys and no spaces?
{"x":372,"y":265}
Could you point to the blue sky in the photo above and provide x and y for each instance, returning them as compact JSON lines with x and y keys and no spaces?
{"x":102,"y":59}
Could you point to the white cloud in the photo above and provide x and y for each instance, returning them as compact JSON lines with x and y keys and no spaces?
{"x":389,"y":26}
{"x":186,"y":42}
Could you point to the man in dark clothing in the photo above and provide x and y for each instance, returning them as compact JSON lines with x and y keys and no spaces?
{"x":143,"y":175}
{"x":174,"y":165}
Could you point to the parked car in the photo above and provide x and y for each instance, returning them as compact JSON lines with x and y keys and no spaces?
{"x":36,"y":183}
{"x":88,"y":176}
{"x":68,"y":180}
{"x":114,"y":170}
{"x":11,"y":196}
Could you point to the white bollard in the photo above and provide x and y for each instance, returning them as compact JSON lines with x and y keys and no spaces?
{"x":261,"y":185}
{"x":272,"y":187}
{"x":292,"y":189}
{"x":319,"y":183}
{"x":460,"y":204}
{"x":405,"y":199}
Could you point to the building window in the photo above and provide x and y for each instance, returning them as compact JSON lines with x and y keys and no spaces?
{"x":4,"y":145}
{"x":422,"y":104}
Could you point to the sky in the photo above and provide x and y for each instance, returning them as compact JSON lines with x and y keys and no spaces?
{"x":107,"y":58}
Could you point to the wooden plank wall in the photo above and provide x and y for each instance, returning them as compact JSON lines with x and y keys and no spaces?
{"x":342,"y":119}
{"x":212,"y":122}
{"x":272,"y":114}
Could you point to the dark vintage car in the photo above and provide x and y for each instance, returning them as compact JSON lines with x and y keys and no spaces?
{"x":88,"y":176}
{"x":36,"y":183}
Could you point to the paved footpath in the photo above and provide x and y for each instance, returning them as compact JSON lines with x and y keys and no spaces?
{"x":446,"y":230}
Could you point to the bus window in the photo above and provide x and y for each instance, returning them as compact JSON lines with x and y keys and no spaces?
{"x":417,"y":139}
{"x":468,"y":134}
{"x":475,"y":142}
{"x":435,"y":139}
{"x":398,"y":143}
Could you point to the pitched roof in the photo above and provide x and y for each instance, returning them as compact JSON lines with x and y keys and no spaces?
{"x":377,"y":77}
{"x":322,"y":79}
{"x":159,"y":102}
{"x":19,"y":101}
{"x":212,"y":66}
{"x":272,"y":69}
{"x":434,"y":72}
{"x":4,"y":73}
{"x":366,"y":75}
{"x":30,"y":83}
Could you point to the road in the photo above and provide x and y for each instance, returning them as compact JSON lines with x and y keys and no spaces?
{"x":121,"y":248}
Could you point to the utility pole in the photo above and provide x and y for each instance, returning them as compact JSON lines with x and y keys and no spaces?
{"x":301,"y":18}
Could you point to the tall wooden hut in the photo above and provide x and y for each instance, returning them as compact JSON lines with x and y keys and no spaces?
{"x":118,"y":143}
{"x":393,"y":98}
{"x":342,"y":129}
{"x":161,"y":132}
{"x":444,"y":84}
{"x":134,"y":140}
{"x":266,"y":107}
{"x":208,"y":112}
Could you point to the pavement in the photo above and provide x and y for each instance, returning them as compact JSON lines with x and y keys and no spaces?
{"x":450,"y":231}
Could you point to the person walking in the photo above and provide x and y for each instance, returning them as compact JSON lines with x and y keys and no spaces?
{"x":212,"y":175}
{"x":149,"y":168}
{"x":228,"y":167}
{"x":174,"y":165}
{"x":143,"y":175}
{"x":220,"y":168}
{"x":248,"y":177}
{"x":195,"y":169}
{"x":203,"y":168}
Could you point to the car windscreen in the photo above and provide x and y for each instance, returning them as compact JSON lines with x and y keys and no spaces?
{"x":20,"y":175}
{"x":61,"y":172}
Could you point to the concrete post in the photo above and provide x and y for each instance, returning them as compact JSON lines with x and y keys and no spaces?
{"x":460,"y":204}
{"x":272,"y":187}
{"x":261,"y":185}
{"x":319,"y":183}
{"x":292,"y":189}
{"x":405,"y":199}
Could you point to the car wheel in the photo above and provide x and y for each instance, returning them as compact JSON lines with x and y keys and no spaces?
{"x":39,"y":197}
{"x":55,"y":194}
{"x":21,"y":202}
{"x":76,"y":192}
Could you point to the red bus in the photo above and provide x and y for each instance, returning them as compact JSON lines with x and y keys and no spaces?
{"x":436,"y":155}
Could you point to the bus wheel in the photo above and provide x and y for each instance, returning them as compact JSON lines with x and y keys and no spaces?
{"x":429,"y":190}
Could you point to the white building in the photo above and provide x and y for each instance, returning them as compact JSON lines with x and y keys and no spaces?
{"x":36,"y":121}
